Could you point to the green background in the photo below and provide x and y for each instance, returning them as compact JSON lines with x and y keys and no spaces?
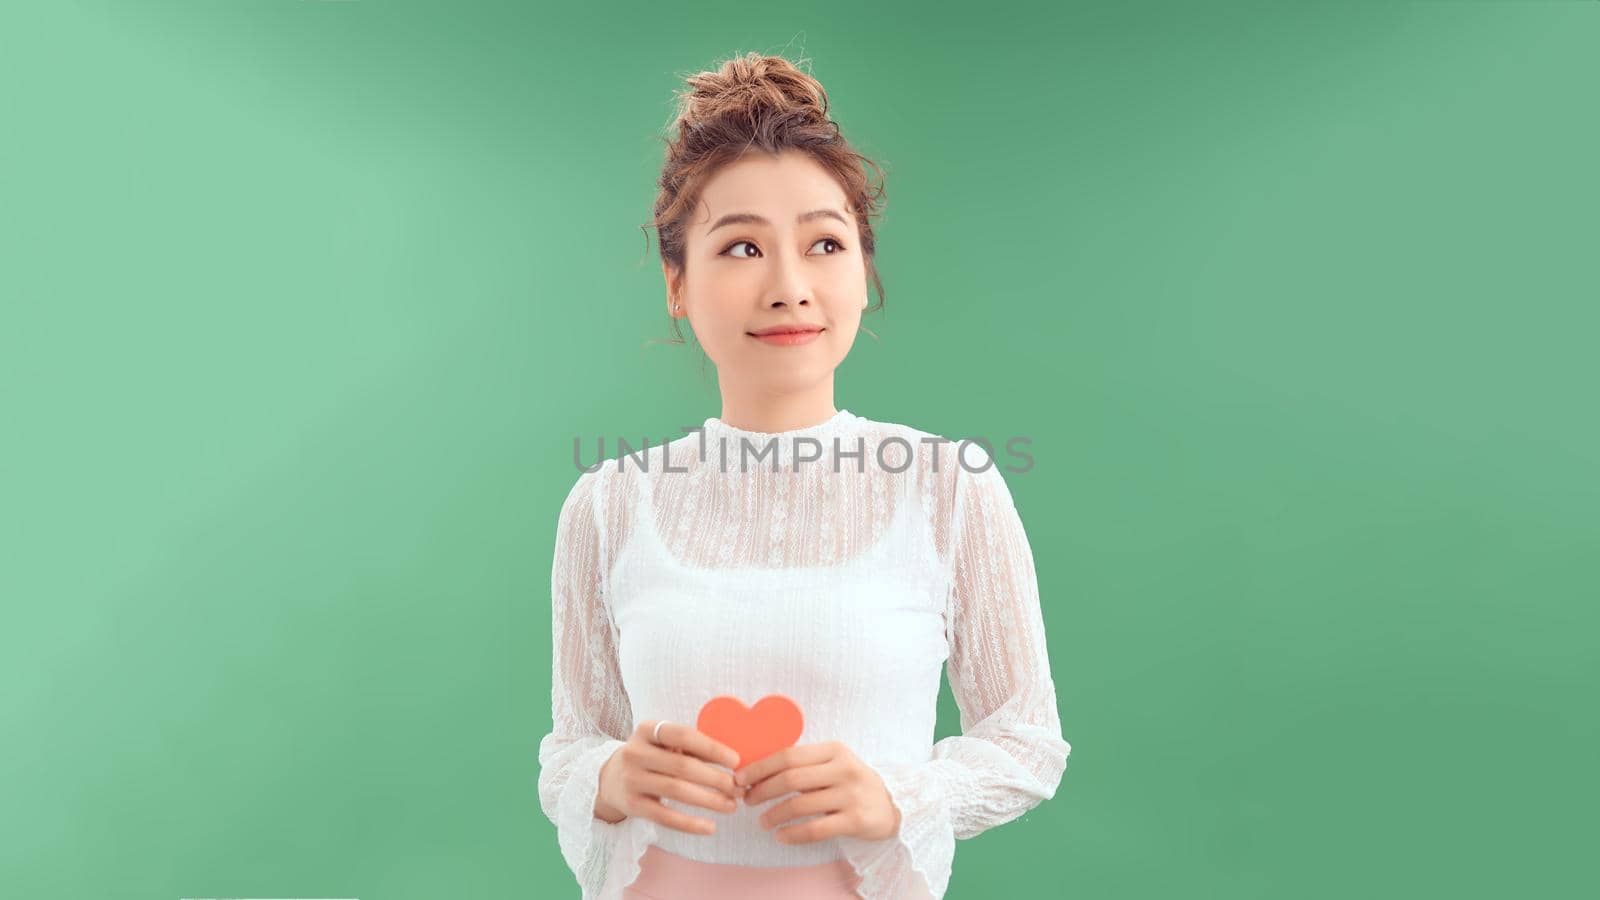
{"x":304,"y":303}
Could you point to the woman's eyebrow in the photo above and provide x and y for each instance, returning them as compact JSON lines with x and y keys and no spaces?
{"x":753,"y":219}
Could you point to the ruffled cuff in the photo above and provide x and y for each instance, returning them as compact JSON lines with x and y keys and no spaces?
{"x":914,"y":864}
{"x":587,"y":842}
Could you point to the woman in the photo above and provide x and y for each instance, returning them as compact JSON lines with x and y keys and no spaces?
{"x":791,"y":548}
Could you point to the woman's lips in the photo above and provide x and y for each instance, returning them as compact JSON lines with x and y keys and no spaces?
{"x":788,"y":338}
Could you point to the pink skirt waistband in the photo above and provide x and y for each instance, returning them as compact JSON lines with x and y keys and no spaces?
{"x":668,"y":876}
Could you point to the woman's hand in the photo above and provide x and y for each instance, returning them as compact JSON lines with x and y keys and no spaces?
{"x":831,"y":780}
{"x":640,"y":773}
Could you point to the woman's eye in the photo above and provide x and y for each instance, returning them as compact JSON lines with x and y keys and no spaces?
{"x":730,"y":251}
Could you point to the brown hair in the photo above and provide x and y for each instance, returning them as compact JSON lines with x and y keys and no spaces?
{"x":765,"y":102}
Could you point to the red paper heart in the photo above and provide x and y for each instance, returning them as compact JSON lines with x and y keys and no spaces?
{"x":755,"y":732}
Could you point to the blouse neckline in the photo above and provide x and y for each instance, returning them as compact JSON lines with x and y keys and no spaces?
{"x":838,"y":423}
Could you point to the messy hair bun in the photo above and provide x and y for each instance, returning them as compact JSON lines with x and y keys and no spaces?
{"x":757,"y":101}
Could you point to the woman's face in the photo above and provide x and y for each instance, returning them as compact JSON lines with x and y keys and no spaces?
{"x":800,"y":264}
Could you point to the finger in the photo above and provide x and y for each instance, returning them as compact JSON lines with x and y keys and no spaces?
{"x":656,"y":811}
{"x":834,"y":825}
{"x":688,"y":768}
{"x":708,"y":748}
{"x":685,"y":792}
{"x":695,"y":742}
{"x":800,"y":778}
{"x":646,"y":732}
{"x":808,"y":804}
{"x":788,"y":757}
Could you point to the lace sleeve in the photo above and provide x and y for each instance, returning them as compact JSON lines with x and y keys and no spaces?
{"x":1011,"y":754}
{"x":590,"y":710}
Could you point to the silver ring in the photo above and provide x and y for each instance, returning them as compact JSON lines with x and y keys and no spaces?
{"x":655,"y":735}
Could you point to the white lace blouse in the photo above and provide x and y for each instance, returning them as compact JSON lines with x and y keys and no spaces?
{"x":841,"y":565}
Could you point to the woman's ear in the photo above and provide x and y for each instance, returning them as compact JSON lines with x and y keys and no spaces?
{"x":670,"y":276}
